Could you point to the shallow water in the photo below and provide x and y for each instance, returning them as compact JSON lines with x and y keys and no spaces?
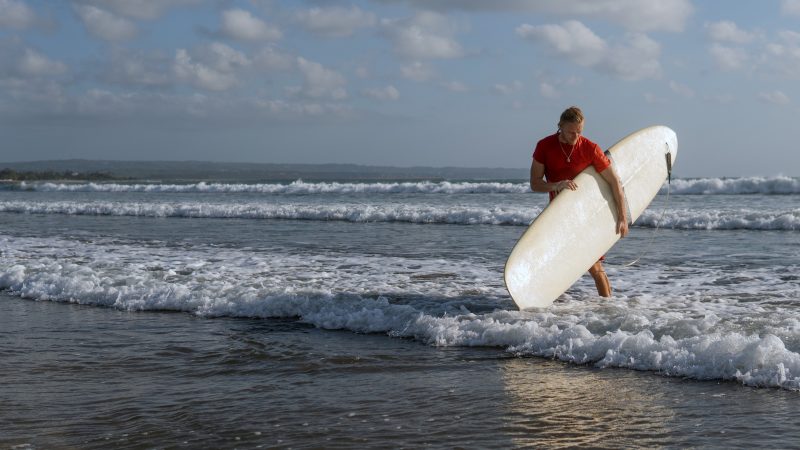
{"x":77,"y":376}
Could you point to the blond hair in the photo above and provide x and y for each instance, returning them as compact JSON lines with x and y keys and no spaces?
{"x":572,"y":114}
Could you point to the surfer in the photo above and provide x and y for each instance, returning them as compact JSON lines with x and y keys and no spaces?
{"x":559,"y":158}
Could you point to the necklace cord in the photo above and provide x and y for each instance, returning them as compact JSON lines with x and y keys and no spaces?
{"x":561,"y":146}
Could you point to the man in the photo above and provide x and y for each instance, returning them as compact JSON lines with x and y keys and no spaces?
{"x":559,"y":158}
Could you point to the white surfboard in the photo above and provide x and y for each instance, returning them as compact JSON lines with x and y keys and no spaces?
{"x":578,"y":227}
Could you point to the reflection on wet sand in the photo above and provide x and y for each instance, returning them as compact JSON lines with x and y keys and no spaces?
{"x":553,"y":405}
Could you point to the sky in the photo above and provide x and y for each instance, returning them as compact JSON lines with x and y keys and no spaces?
{"x":465,"y":83}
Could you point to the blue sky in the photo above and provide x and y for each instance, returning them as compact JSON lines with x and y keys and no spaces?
{"x":468,"y":83}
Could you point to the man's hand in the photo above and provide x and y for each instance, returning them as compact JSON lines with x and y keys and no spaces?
{"x":622,"y":227}
{"x":566,"y":184}
{"x":610,"y":175}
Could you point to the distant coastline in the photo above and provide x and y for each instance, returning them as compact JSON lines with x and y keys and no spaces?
{"x":11,"y":175}
{"x":192,"y":171}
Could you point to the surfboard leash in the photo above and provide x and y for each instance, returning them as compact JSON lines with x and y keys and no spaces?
{"x":668,"y":158}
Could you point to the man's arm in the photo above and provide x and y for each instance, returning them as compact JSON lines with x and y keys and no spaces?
{"x":539,"y":185}
{"x":619,"y":196}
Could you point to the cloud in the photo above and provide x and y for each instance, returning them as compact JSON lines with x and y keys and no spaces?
{"x":137,"y":9}
{"x":425,"y":36}
{"x":552,"y":86}
{"x":417,"y":71}
{"x":790,"y":7}
{"x":572,"y":40}
{"x":681,"y":89}
{"x":790,"y":38}
{"x":152,"y":108}
{"x":319,"y":81}
{"x":362,"y":72}
{"x":774,"y":55}
{"x":727,"y":31}
{"x":653,"y":99}
{"x":728,"y":58}
{"x":455,"y":86}
{"x":242,"y":25}
{"x":105,"y":25}
{"x":636,"y":59}
{"x":19,"y":62}
{"x":225,"y":58}
{"x":201,"y":75}
{"x":214,"y":67}
{"x":634,"y":15}
{"x":774,"y":97}
{"x":508,"y":89}
{"x":16,"y":14}
{"x":548,"y":90}
{"x":133,"y":68}
{"x":386,"y":93}
{"x":720,"y":99}
{"x":783,"y":56}
{"x":30,"y":82}
{"x":270,"y":59}
{"x":34,"y":95}
{"x":101,"y":101}
{"x":283,"y":109}
{"x":35,"y":64}
{"x":335,"y":21}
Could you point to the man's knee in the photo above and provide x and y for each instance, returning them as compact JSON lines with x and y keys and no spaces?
{"x":597,"y":268}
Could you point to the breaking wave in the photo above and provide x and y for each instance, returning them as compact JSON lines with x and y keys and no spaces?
{"x":744,"y":219}
{"x":778,"y":185}
{"x":683,"y":335}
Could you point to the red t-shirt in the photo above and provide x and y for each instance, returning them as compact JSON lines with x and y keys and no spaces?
{"x":553,"y":155}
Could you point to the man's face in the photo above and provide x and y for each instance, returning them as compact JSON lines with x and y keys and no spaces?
{"x":571,"y":131}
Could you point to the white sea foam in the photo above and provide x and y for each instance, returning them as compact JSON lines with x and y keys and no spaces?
{"x":296,"y":187}
{"x":698,"y":330}
{"x":687,"y":219}
{"x":727,"y":219}
{"x":351,"y":212}
{"x":780,"y":185}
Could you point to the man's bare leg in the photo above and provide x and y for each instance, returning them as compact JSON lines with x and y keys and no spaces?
{"x":600,"y":279}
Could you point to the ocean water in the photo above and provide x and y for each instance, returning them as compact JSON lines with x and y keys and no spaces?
{"x":374,"y":315}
